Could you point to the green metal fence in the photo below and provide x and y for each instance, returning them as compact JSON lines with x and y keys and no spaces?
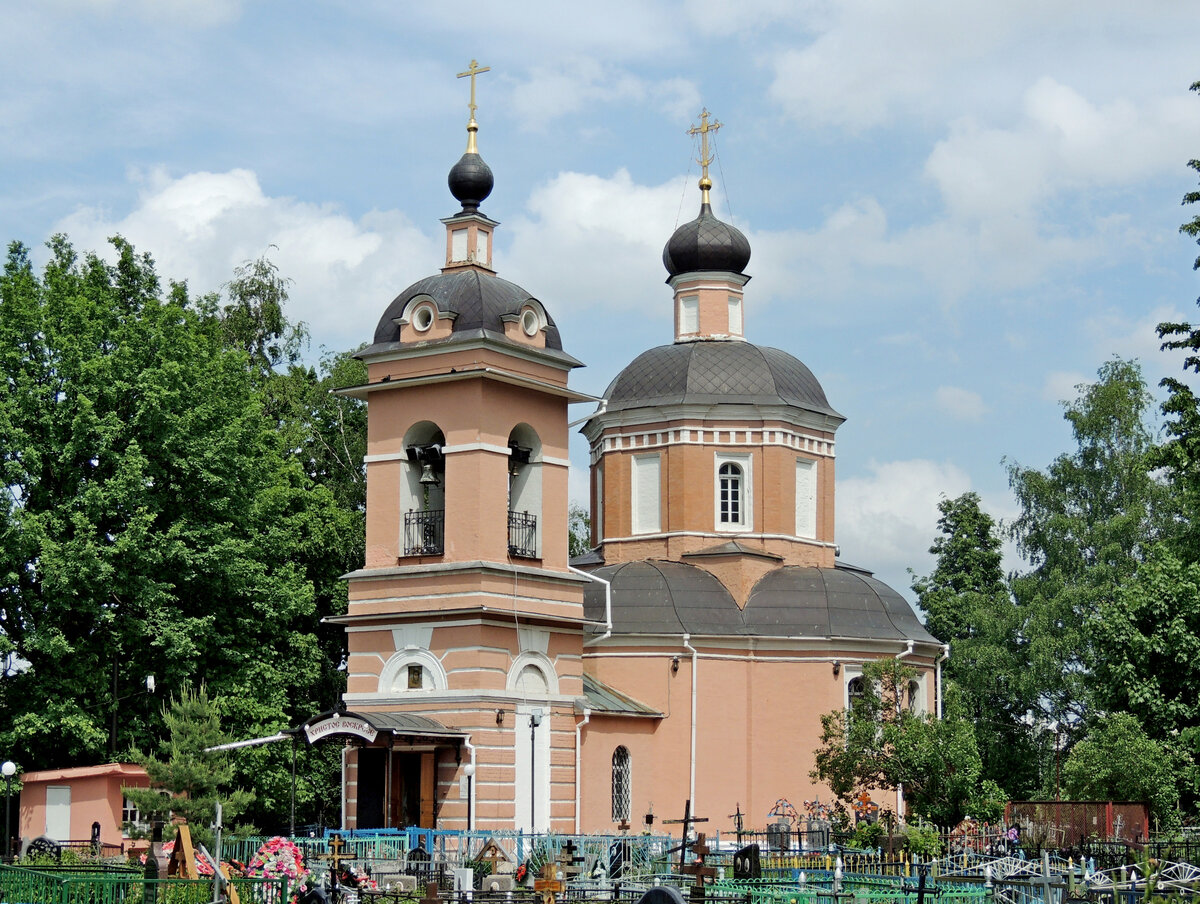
{"x":25,"y":885}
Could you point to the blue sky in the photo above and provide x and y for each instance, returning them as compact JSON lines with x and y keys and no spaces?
{"x":958,"y":210}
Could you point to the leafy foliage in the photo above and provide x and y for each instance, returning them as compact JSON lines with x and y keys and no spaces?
{"x":880,"y":743}
{"x":1118,"y":761}
{"x":1085,"y":525}
{"x":967,"y":603}
{"x":168,"y":507}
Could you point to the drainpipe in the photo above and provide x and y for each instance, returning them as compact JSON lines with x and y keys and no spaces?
{"x":692,"y":767}
{"x":587,"y":715}
{"x":938,"y":679}
{"x":607,"y":601}
{"x":470,"y":784}
{"x":907,"y":651}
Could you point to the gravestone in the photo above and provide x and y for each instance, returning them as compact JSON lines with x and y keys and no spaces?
{"x":661,"y":894}
{"x":747,"y":864}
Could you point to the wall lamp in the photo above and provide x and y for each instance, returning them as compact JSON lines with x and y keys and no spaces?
{"x":499,"y":717}
{"x":837,"y":667}
{"x":674,"y":664}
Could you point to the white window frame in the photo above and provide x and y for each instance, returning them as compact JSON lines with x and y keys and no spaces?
{"x":745,"y":503}
{"x":736,"y":326}
{"x":459,"y":249}
{"x":642,"y":520}
{"x":689,"y":315}
{"x":807,"y":471}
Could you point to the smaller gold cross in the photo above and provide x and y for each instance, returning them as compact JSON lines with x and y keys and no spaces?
{"x":473,"y":70}
{"x":705,"y":158}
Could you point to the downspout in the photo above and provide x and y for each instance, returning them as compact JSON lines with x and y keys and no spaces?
{"x":607,"y":601}
{"x":692,"y":766}
{"x":587,"y":715}
{"x":938,"y":679}
{"x":472,"y":782}
{"x":907,"y":651}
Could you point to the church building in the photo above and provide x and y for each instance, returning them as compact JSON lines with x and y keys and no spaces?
{"x":496,"y":684}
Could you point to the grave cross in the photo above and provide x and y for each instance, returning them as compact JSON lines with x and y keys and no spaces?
{"x":549,"y":884}
{"x":336,"y":843}
{"x":688,"y":821}
{"x":697,"y":870}
{"x":569,"y":860}
{"x":494,"y":855}
{"x":737,"y":816}
{"x":921,"y":888}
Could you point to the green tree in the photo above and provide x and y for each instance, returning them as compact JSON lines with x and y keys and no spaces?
{"x":881,"y":744}
{"x":1085,"y":525}
{"x":156,"y":519}
{"x":1118,"y":761}
{"x":579,"y":527}
{"x":967,"y":604}
{"x":189,"y":780}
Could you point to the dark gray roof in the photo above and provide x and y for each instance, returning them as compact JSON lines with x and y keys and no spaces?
{"x":410,"y":725}
{"x":604,"y":699}
{"x":706,"y":243}
{"x":661,"y":597}
{"x":716,"y":372}
{"x":478,"y":299}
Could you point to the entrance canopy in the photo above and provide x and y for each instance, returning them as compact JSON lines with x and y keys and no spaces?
{"x":411,"y":727}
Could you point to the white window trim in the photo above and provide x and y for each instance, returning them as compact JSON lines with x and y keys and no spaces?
{"x":810,"y":507}
{"x":639,"y":520}
{"x":743,"y":461}
{"x":686,"y":302}
{"x":396,"y":670}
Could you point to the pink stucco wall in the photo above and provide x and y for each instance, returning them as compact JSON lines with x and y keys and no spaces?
{"x":96,"y":796}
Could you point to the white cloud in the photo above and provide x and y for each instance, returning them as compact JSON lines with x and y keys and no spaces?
{"x":1063,"y":142}
{"x":577,"y":84}
{"x":200,"y":226}
{"x":1063,"y":385}
{"x":595,"y":241}
{"x":960,"y":403}
{"x":887,"y":519}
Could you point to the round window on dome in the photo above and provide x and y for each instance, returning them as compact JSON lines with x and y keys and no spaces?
{"x":422,"y":318}
{"x":529,"y":322}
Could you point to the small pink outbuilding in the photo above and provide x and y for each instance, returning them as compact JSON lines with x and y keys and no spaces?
{"x":62,"y":804}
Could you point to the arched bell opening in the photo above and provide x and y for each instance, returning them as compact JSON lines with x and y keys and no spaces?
{"x":424,"y":490}
{"x":524,"y":493}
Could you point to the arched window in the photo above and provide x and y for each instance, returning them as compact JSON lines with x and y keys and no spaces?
{"x":855,"y":690}
{"x":622,"y":786}
{"x":730,"y":494}
{"x":914,"y":701}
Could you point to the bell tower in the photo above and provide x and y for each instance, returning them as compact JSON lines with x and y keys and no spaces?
{"x":465,"y":622}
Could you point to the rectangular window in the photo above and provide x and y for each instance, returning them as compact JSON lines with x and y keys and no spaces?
{"x":735,"y":316}
{"x":646,"y":519}
{"x":481,"y":240}
{"x":689,"y":314}
{"x":458,"y":245}
{"x":598,"y":520}
{"x":806,"y":498}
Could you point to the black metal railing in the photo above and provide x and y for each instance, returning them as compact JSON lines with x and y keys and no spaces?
{"x":424,"y":533}
{"x":522,"y":535}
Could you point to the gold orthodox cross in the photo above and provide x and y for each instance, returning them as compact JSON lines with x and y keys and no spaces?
{"x":705,"y":158}
{"x":473,"y":70}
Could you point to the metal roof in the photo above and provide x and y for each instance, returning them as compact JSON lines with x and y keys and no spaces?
{"x":606,"y":700}
{"x":662,"y":597}
{"x":410,"y":725}
{"x":716,"y":372}
{"x":479,"y":300}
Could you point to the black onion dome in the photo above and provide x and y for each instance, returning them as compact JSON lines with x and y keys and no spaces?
{"x":470,"y":181}
{"x":706,"y":243}
{"x":479,"y":300}
{"x":716,"y":372}
{"x":663,"y":597}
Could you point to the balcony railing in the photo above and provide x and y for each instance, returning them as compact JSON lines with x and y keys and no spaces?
{"x":522,"y":535}
{"x":424,"y":533}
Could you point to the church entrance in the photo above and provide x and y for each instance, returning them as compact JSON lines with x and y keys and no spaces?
{"x":395,"y":789}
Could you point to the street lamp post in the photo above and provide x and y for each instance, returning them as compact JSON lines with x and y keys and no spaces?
{"x":9,"y":769}
{"x":535,"y":719}
{"x":469,"y":772}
